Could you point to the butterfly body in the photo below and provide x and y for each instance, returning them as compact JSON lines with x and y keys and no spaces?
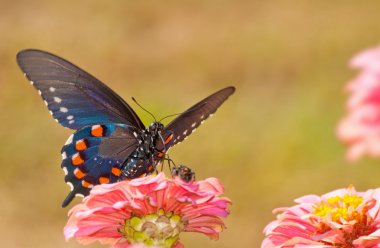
{"x":110,"y":142}
{"x":150,"y":151}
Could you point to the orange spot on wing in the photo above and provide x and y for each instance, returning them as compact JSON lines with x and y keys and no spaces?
{"x":150,"y":167}
{"x":97,"y":131}
{"x":77,"y":160}
{"x":116,"y":171}
{"x":104,"y":180}
{"x":86,"y":184}
{"x":80,"y":145}
{"x":160,"y":154}
{"x":79,"y":174}
{"x":168,"y":139}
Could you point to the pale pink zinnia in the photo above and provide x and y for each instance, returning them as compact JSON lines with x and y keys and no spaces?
{"x":360,"y":129}
{"x":148,"y":211}
{"x":342,"y":218}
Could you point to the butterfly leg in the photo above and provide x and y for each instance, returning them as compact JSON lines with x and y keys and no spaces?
{"x":170,"y":162}
{"x":162,"y":161}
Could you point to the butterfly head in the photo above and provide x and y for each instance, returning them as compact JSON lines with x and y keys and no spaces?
{"x":156,"y":127}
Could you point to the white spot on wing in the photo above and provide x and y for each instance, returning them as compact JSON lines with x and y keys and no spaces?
{"x":71,"y":186}
{"x":185,"y":132}
{"x":71,"y":121}
{"x":51,"y":112}
{"x":89,"y":186}
{"x":193,"y":125}
{"x":70,"y":117}
{"x":65,"y":170}
{"x":56,"y":120}
{"x":31,"y":82}
{"x":64,"y":156}
{"x":80,"y":195}
{"x":46,"y":103}
{"x":69,"y":140}
{"x":57,"y":99}
{"x":93,"y":127}
{"x":135,"y":134}
{"x":76,"y":171}
{"x":39,"y":92}
{"x":202,"y":116}
{"x":63,"y":109}
{"x":51,"y":89}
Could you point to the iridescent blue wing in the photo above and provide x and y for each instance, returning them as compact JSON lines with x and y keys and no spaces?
{"x":75,"y":98}
{"x":95,"y":155}
{"x":187,"y":122}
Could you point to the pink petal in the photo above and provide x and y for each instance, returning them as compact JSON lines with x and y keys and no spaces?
{"x":108,"y":206}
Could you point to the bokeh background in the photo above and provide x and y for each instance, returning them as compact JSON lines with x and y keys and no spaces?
{"x":272,"y":141}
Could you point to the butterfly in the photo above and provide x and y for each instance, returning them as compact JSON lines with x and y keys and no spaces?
{"x":110,"y":142}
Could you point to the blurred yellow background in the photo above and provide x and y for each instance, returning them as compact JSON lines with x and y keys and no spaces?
{"x":272,"y":141}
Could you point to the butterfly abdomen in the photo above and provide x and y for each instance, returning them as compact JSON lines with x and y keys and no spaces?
{"x":135,"y":167}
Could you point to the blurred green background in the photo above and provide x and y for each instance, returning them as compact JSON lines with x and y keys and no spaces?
{"x":272,"y":141}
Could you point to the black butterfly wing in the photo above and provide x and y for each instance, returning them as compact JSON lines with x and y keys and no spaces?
{"x":187,"y":122}
{"x":74,"y":97}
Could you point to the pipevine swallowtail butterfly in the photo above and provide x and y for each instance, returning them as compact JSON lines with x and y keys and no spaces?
{"x":110,"y":142}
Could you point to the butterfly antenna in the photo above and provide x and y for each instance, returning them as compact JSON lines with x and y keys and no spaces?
{"x":144,"y":109}
{"x":188,"y":111}
{"x":170,"y":116}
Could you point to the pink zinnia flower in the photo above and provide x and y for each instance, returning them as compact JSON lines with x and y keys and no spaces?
{"x":360,"y":129}
{"x":148,"y":211}
{"x":342,"y":218}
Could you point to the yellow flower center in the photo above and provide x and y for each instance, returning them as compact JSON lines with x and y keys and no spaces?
{"x":351,"y":211}
{"x":340,"y":208}
{"x":158,"y":229}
